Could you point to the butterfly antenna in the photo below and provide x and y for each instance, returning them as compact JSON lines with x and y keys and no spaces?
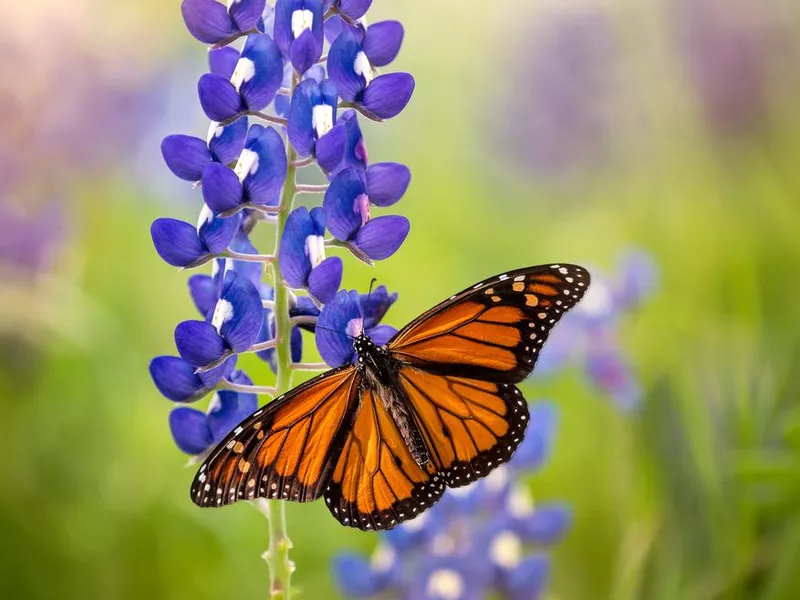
{"x":371,"y":285}
{"x":333,"y":331}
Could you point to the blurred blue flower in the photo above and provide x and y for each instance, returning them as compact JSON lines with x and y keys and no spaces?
{"x":589,"y":334}
{"x":483,"y":538}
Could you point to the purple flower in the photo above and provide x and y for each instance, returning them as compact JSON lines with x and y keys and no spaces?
{"x":347,"y":316}
{"x":478,"y":540}
{"x":381,"y":41}
{"x":299,"y":31}
{"x":589,"y":335}
{"x":312,"y":116}
{"x":302,"y":255}
{"x":343,"y":147}
{"x":235,"y":325}
{"x":381,"y":97}
{"x":182,"y":245}
{"x":211,"y":23}
{"x":195,"y":432}
{"x":253,"y":84}
{"x":178,"y":380}
{"x":352,"y":9}
{"x":347,"y":204}
{"x":187,"y":156}
{"x":257,"y":178}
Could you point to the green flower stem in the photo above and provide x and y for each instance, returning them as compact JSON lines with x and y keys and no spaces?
{"x":277,"y":556}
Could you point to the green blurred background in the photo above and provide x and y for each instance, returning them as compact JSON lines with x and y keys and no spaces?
{"x":547,"y":131}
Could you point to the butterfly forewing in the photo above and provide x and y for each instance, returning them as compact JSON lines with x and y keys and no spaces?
{"x":286,"y":450}
{"x":494,"y":330}
{"x":377,"y":483}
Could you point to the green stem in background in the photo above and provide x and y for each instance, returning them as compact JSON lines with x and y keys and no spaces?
{"x":277,"y":556}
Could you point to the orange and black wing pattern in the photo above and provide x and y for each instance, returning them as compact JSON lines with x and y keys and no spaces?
{"x":288,"y":449}
{"x":469,"y":426}
{"x":376,"y":483}
{"x":494,"y":330}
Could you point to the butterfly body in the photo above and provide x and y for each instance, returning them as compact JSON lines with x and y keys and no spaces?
{"x":436,"y":407}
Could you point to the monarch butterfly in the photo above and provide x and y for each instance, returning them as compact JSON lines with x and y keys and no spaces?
{"x":435,"y":407}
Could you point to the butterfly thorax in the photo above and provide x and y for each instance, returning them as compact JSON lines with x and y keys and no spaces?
{"x":380,"y":373}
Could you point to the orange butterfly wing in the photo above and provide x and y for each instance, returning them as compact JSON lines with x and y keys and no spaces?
{"x":494,"y":330}
{"x":469,"y":426}
{"x":377,"y":483}
{"x":285,"y":450}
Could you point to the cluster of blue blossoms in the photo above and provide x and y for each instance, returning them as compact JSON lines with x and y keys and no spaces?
{"x":307,"y":103}
{"x":483,"y":538}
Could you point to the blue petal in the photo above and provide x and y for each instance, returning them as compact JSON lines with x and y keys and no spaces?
{"x":355,"y":154}
{"x":295,"y":264}
{"x":241,"y":318}
{"x":317,"y":73}
{"x":199,"y":343}
{"x":176,"y":380}
{"x":357,"y":578}
{"x":381,"y":334}
{"x":218,"y":97}
{"x":340,"y":204}
{"x":382,"y":42}
{"x":222,"y":61}
{"x":299,"y":127}
{"x":330,"y":149}
{"x":283,"y":24}
{"x":318,"y":220}
{"x":207,"y":20}
{"x":222,"y":189}
{"x":538,"y":442}
{"x":177,"y":243}
{"x":340,"y":319}
{"x":388,"y":95}
{"x":355,"y":9}
{"x":185,"y":156}
{"x":387,"y":182}
{"x":304,"y":306}
{"x":247,"y":13}
{"x":528,"y":579}
{"x":204,"y":292}
{"x":213,"y":376}
{"x":341,"y":66}
{"x":190,"y":430}
{"x":305,"y":51}
{"x":226,"y":143}
{"x":610,"y":371}
{"x":548,"y":523}
{"x":639,"y":279}
{"x":325,"y":279}
{"x":264,"y":179}
{"x":217,"y":232}
{"x":381,"y":237}
{"x":297,"y":344}
{"x":375,"y":304}
{"x":266,"y":68}
{"x":230,"y":408}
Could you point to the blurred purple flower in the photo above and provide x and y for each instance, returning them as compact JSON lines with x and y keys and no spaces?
{"x":556,"y":120}
{"x":589,"y":335}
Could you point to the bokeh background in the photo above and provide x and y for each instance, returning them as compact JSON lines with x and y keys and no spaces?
{"x":539,"y":131}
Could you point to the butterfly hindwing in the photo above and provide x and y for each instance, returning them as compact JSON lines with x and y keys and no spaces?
{"x":376,"y":483}
{"x":469,"y":426}
{"x":494,"y":330}
{"x":285,"y":450}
